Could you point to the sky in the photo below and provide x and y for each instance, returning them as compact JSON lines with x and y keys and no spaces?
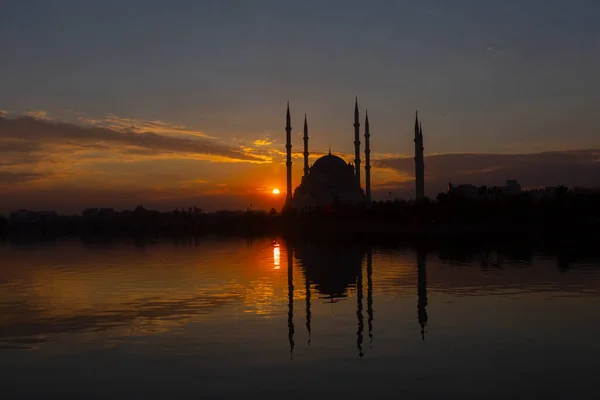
{"x":182,"y":103}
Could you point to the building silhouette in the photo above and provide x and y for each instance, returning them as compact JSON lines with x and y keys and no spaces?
{"x":330,"y":180}
{"x":367,"y":159}
{"x":288,"y":160}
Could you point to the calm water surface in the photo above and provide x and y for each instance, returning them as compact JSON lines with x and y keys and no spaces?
{"x":229,"y":318}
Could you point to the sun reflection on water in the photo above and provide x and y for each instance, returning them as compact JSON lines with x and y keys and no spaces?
{"x":276,"y":255}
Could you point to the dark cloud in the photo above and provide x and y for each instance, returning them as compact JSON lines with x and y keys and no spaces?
{"x":18,"y":152}
{"x":30,"y":131}
{"x":11,"y":178}
{"x":19,"y":146}
{"x":571,"y":168}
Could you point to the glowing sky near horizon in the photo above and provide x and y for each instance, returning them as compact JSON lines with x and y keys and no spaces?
{"x":487,"y":77}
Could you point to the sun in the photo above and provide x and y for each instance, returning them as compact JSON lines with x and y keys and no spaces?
{"x":275,"y":191}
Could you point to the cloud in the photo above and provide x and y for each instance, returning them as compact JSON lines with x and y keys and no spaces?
{"x":11,"y":178}
{"x":19,"y":146}
{"x":38,"y":114}
{"x":571,"y":168}
{"x":34,"y":134}
{"x":262,"y":142}
{"x":263,"y":154}
{"x":121,"y":124}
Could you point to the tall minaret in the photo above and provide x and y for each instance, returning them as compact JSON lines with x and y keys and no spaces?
{"x":288,"y":163}
{"x":367,"y":159}
{"x":356,"y":142}
{"x":305,"y":146}
{"x":419,"y":161}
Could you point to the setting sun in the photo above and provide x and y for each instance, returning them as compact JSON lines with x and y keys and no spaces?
{"x":275,"y":191}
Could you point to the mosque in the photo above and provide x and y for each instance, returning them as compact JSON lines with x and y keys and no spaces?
{"x":330,"y":180}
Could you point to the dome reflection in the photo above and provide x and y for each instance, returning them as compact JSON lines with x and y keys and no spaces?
{"x":332,"y":269}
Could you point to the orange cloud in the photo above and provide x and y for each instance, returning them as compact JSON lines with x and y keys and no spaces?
{"x":114,"y":122}
{"x":262,"y":142}
{"x":17,"y":134}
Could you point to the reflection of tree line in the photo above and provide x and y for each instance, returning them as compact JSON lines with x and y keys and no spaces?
{"x":330,"y":274}
{"x":567,"y":255}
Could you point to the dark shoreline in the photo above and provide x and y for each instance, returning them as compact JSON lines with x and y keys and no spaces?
{"x":346,"y":231}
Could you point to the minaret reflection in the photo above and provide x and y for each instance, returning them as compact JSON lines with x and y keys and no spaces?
{"x":290,"y":300}
{"x":308,"y":314}
{"x":422,"y":291}
{"x":370,"y":294}
{"x":359,"y":312}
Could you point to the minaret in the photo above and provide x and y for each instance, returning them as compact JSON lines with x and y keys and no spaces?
{"x":288,"y":163}
{"x":305,"y":146}
{"x":367,"y":159}
{"x":356,"y":142}
{"x":419,"y":162}
{"x":422,"y":161}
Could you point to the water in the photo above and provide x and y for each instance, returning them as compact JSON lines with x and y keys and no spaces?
{"x":229,"y":318}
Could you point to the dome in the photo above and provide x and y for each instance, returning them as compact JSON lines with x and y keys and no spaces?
{"x":329,"y":162}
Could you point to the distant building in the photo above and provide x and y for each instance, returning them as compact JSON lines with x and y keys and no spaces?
{"x":28,"y":216}
{"x":466,"y":191}
{"x":545,"y":193}
{"x":469,"y":191}
{"x":511,"y":187}
{"x":580,"y":190}
{"x":98,"y":213}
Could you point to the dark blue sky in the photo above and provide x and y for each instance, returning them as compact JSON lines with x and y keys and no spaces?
{"x":493,"y":76}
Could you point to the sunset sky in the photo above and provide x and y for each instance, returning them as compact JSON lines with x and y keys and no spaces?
{"x":182,"y":103}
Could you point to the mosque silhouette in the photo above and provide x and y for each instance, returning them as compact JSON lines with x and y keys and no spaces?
{"x":330,"y":180}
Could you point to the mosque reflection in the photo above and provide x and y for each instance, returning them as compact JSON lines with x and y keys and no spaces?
{"x":333,"y":271}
